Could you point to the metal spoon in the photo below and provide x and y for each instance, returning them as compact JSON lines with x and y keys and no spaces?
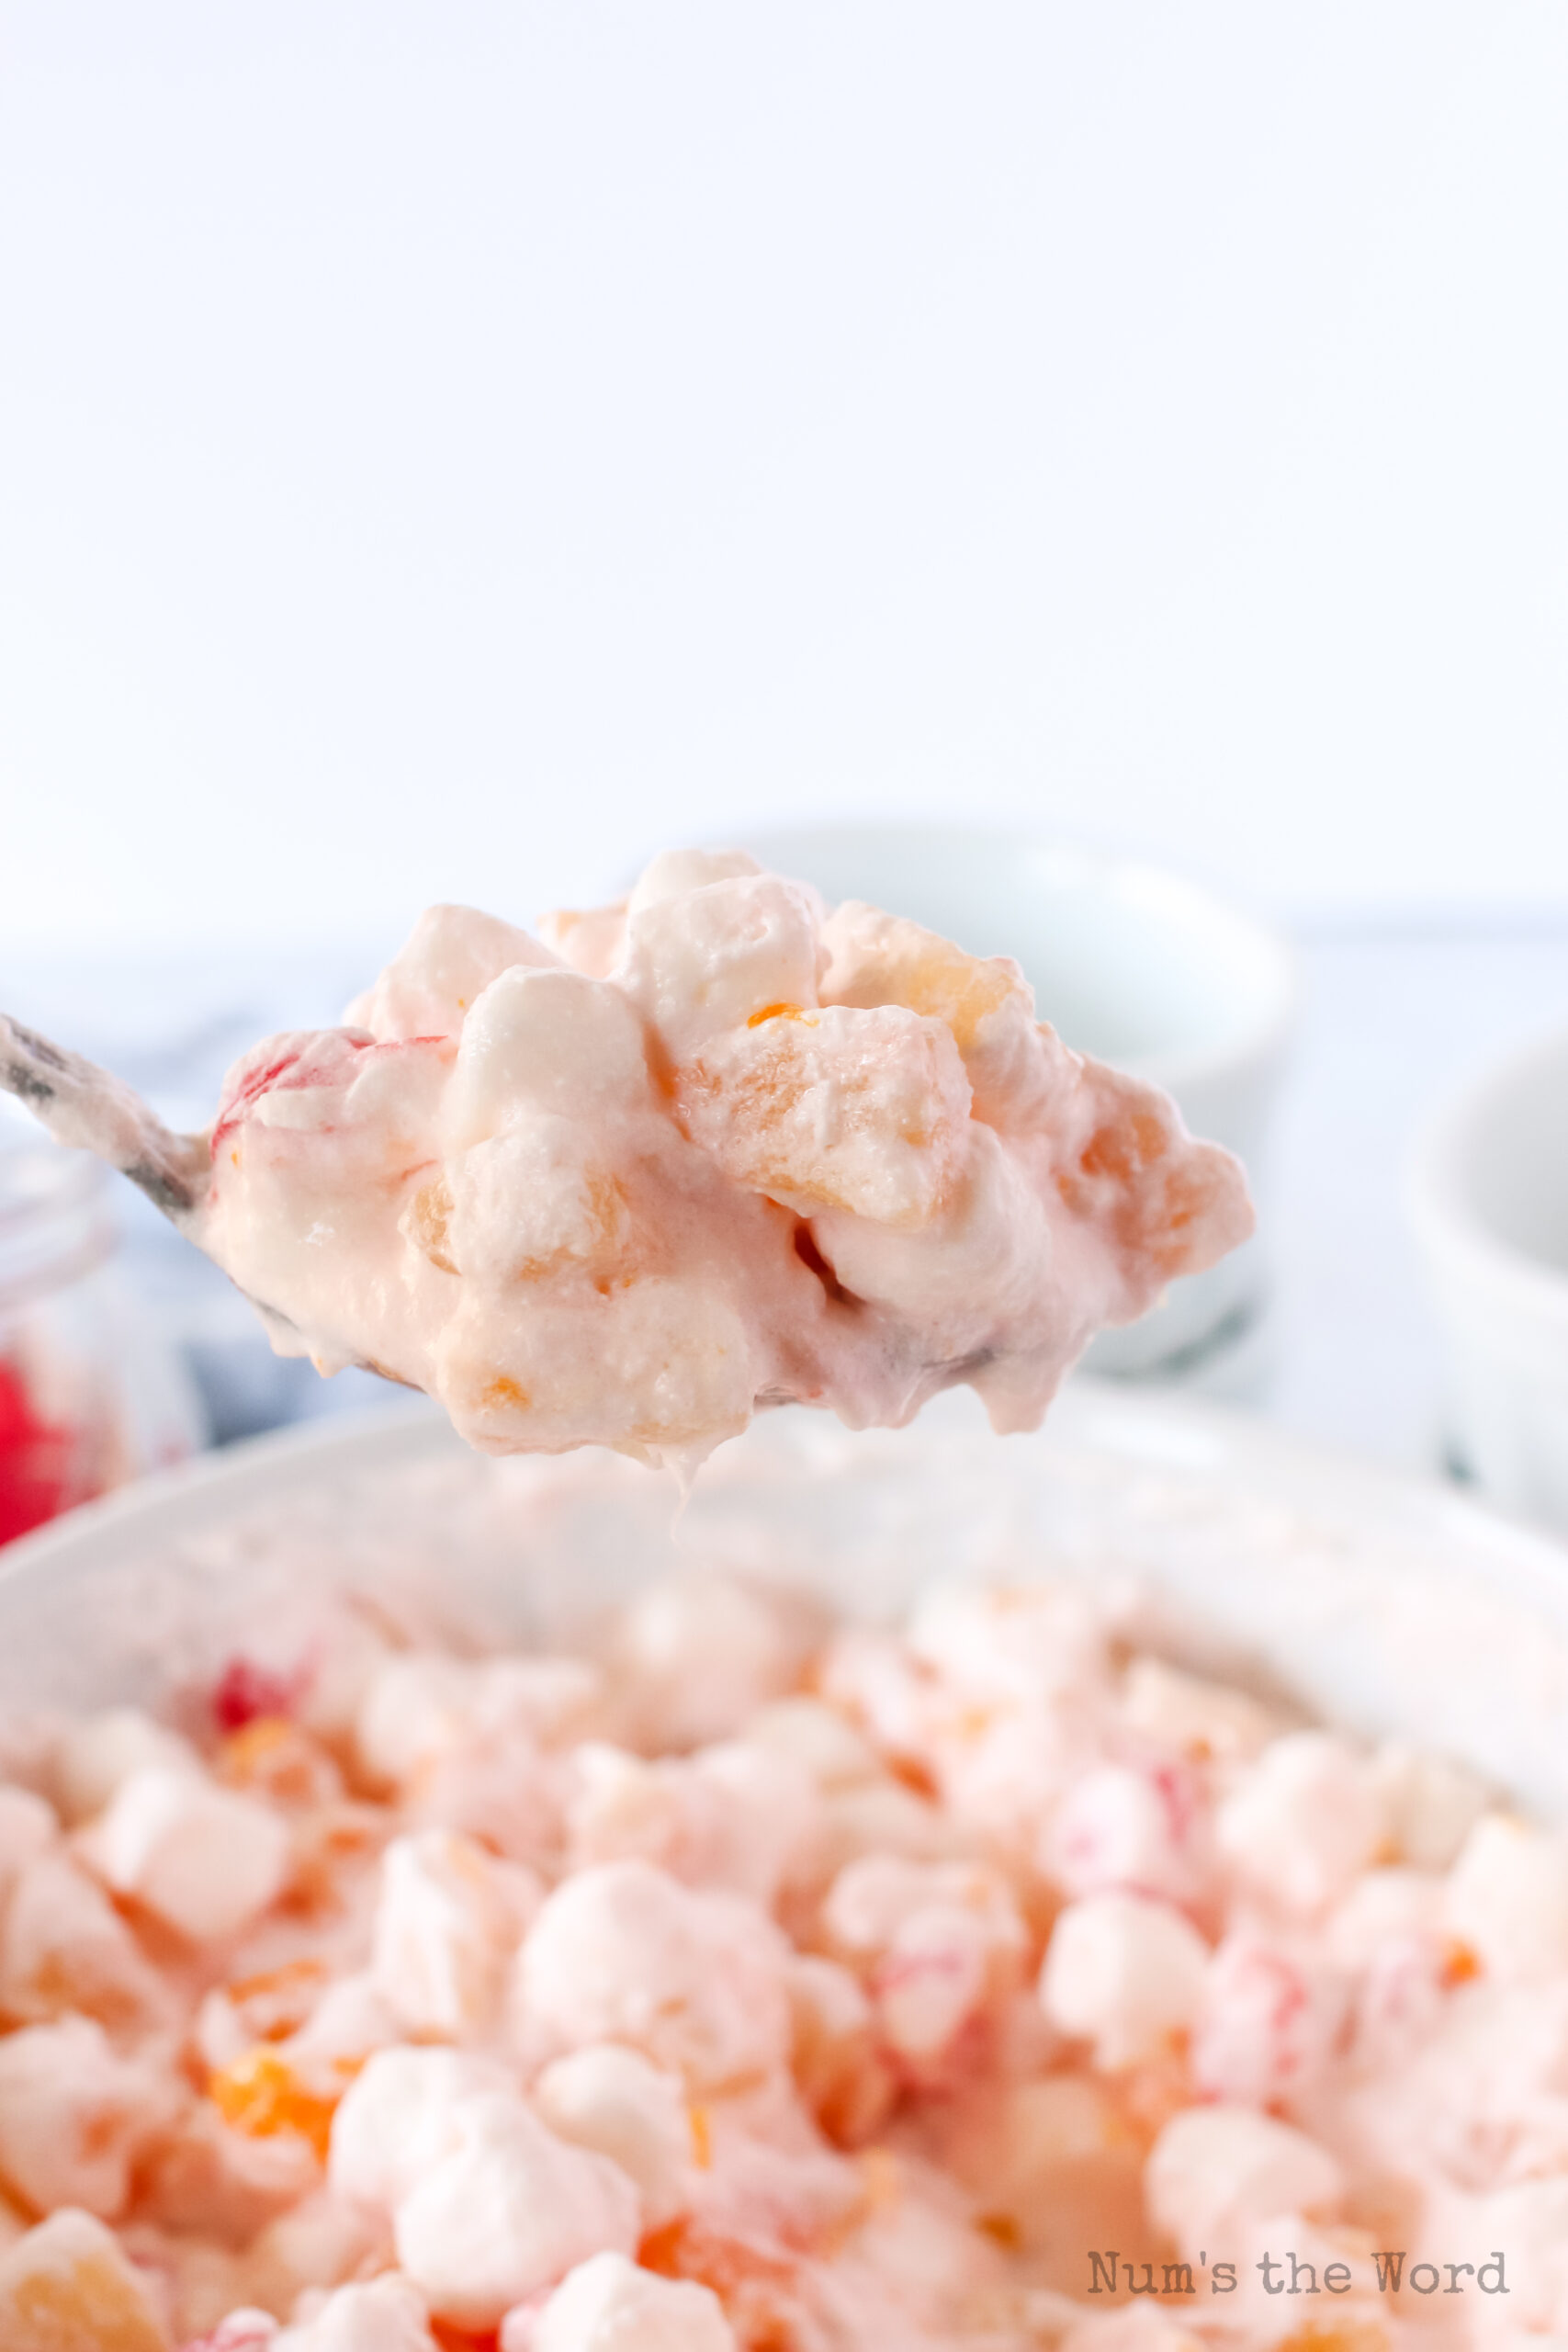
{"x":90,"y":1110}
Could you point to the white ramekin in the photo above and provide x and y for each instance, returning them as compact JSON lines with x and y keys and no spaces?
{"x":1488,"y":1194}
{"x":1130,"y":962}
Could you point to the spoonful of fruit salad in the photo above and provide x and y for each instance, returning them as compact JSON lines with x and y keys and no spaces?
{"x":715,"y":1147}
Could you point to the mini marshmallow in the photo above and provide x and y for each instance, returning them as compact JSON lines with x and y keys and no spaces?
{"x":1024,"y":1643}
{"x":1309,"y":1816}
{"x":1147,"y":1831}
{"x":205,"y":1861}
{"x":816,"y":1737}
{"x":608,"y":2304}
{"x":63,"y":1945}
{"x":732,"y":1817}
{"x":323,"y":2241}
{"x":1432,"y":1803}
{"x":246,"y":2330}
{"x":941,"y":1939}
{"x":873,"y":1900}
{"x":623,"y":1953}
{"x":72,"y":2116}
{"x":1507,"y":1899}
{"x":932,"y":1980}
{"x":1529,"y":2219}
{"x":447,"y":1922}
{"x":702,"y":1652}
{"x":1215,"y":2170}
{"x":396,"y":2120}
{"x":383,"y":2316}
{"x":96,"y":1755}
{"x":449,"y":958}
{"x":411,"y":1707}
{"x":612,"y":2099}
{"x":1269,"y":2020}
{"x":702,"y":959}
{"x":1206,"y":1722}
{"x":510,"y":2210}
{"x":1125,"y":1973}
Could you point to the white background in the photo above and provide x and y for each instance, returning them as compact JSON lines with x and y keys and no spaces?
{"x":447,"y":448}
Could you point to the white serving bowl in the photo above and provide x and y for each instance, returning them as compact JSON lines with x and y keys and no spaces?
{"x":1489,"y":1203}
{"x":1383,"y":1604}
{"x":1129,"y":962}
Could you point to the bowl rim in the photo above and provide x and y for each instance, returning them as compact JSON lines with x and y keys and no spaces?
{"x":1454,"y":1235}
{"x":1149,"y":1426}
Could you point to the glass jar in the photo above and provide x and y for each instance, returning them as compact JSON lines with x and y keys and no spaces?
{"x":88,"y":1398}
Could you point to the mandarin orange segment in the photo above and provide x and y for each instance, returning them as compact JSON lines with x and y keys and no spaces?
{"x":454,"y":2339}
{"x":273,"y":1757}
{"x":261,"y":2095}
{"x":777,"y":1013}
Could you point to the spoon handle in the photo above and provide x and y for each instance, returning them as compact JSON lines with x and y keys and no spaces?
{"x":85,"y":1107}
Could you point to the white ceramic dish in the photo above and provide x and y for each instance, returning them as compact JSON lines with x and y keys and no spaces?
{"x":1383,"y":1604}
{"x":1489,"y":1203}
{"x":1129,"y":962}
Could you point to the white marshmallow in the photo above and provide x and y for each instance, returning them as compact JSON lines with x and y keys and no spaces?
{"x":383,"y":2316}
{"x":1116,"y":1826}
{"x":624,"y":1954}
{"x":874,"y":1899}
{"x":1507,"y":1899}
{"x":548,"y":1041}
{"x":612,"y":2099}
{"x":1124,"y":1973}
{"x":447,"y":1921}
{"x":1269,"y":2018}
{"x":1214,"y":2170}
{"x":1305,"y":1822}
{"x":1201,"y":1720}
{"x":96,"y":1755}
{"x":412,"y":1707}
{"x":205,"y":1860}
{"x":1029,"y":1643}
{"x":817,"y":1738}
{"x":73,"y":2115}
{"x":246,"y":2330}
{"x":703,"y":1652}
{"x":63,"y":1945}
{"x":539,"y":1199}
{"x":732,"y":1817}
{"x":510,"y":2210}
{"x":703,"y":961}
{"x":449,"y":958}
{"x":1432,"y":1803}
{"x":396,"y":2120}
{"x":608,"y":2304}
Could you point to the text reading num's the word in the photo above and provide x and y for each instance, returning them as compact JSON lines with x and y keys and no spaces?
{"x":1286,"y":2274}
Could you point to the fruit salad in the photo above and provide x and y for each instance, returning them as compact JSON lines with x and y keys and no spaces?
{"x":755,"y":1982}
{"x":717,"y":1149}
